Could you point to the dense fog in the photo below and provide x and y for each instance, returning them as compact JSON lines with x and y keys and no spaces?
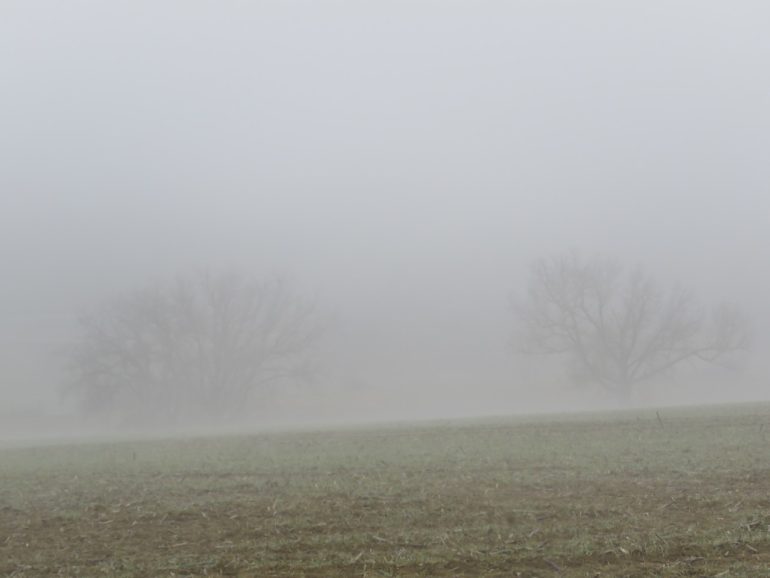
{"x":400,"y":163}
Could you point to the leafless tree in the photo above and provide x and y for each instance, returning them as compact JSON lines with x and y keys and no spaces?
{"x":620,"y":328}
{"x":201,"y":346}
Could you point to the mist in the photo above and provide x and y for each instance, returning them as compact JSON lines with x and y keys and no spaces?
{"x":402,"y":162}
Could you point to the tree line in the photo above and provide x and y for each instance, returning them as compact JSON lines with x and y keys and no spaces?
{"x":207,"y":345}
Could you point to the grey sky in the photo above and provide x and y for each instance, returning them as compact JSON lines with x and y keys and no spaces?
{"x":406,"y":160}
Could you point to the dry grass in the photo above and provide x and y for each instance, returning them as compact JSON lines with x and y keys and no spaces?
{"x":610,"y":495}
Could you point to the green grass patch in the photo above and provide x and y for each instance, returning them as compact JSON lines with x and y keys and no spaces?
{"x":624,"y":494}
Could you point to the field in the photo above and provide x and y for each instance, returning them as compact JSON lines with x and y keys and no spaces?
{"x":685,"y":493}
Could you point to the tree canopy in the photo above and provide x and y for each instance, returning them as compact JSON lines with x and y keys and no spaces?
{"x":618,"y":328}
{"x":203,"y":346}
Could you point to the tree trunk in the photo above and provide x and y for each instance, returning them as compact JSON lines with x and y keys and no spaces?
{"x":621,"y":393}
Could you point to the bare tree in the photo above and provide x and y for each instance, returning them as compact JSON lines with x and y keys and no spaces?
{"x":202,"y":346}
{"x":618,"y":329}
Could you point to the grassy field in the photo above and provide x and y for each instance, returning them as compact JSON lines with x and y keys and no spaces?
{"x":604,"y":495}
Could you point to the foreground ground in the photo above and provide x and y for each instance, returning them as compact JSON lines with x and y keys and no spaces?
{"x":686,"y":494}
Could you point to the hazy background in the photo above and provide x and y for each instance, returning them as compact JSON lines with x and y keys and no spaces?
{"x":405,"y":161}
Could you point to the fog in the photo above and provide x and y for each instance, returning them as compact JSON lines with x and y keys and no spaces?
{"x":403,"y":162}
